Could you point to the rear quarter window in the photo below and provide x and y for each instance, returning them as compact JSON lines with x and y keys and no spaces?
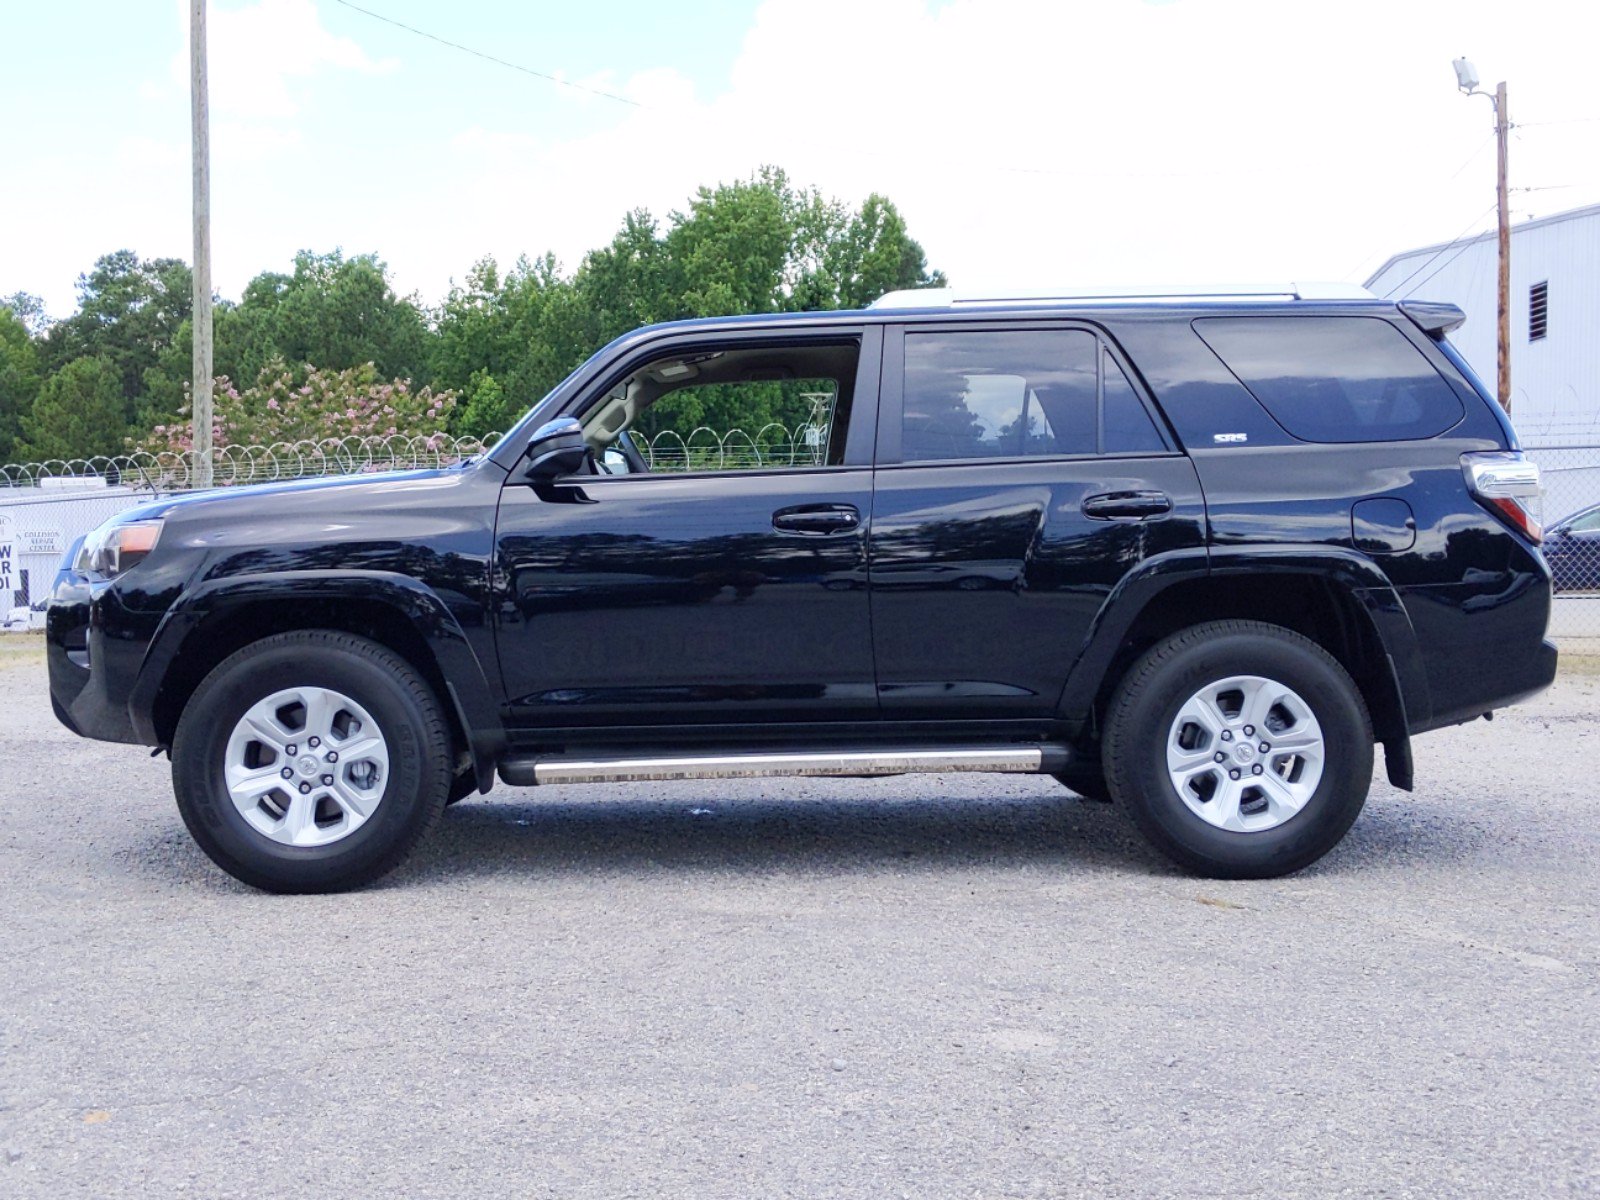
{"x":1335,"y":379}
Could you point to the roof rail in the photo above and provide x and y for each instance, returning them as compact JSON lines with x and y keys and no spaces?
{"x":956,"y":298}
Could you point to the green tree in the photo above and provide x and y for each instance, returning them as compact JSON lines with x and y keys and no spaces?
{"x":30,"y":309}
{"x":758,"y":245}
{"x":19,"y":378}
{"x":332,"y":312}
{"x":486,"y":410}
{"x":875,"y":254}
{"x":525,"y":330}
{"x":730,"y":251}
{"x":130,"y":313}
{"x":78,"y":413}
{"x":631,"y":282}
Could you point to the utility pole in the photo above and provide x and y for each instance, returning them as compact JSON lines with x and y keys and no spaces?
{"x":1467,"y":81}
{"x":1502,"y":130}
{"x":202,"y":364}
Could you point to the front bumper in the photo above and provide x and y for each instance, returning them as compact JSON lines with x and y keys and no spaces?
{"x":93,"y":653}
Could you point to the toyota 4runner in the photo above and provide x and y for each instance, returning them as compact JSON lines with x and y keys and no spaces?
{"x":1196,"y":554}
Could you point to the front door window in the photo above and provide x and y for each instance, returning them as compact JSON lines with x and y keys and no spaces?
{"x":728,"y":409}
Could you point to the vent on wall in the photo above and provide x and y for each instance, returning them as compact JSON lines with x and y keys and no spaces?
{"x":1538,"y":311}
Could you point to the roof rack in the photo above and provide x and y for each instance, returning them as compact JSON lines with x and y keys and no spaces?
{"x":955,"y":298}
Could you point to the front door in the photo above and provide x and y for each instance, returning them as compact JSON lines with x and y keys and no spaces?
{"x":1021,"y":475}
{"x":713,"y":571}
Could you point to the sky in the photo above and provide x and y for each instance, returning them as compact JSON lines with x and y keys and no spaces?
{"x":1030,"y":143}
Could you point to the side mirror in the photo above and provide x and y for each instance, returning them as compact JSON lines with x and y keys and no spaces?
{"x":557,"y":448}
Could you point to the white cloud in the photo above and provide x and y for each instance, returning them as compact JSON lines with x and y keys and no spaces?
{"x":255,"y":55}
{"x":142,"y":153}
{"x":1026,"y":141}
{"x":1040,"y":142}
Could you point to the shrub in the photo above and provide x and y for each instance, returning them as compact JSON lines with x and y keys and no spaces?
{"x":326,"y":405}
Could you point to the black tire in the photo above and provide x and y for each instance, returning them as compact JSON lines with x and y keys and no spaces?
{"x":1147,"y":703}
{"x":407,"y":713}
{"x":1087,"y":779}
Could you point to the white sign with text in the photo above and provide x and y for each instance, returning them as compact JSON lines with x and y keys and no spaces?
{"x":8,"y":560}
{"x":40,"y":541}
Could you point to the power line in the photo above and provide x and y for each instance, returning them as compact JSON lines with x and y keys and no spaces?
{"x":1471,"y":225}
{"x":1465,"y":246}
{"x":1561,"y":121}
{"x":433,"y":37}
{"x":1472,"y":158}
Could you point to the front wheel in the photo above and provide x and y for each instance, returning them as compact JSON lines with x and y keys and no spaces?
{"x":1241,"y":749}
{"x":311,"y":761}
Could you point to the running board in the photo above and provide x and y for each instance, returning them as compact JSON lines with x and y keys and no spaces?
{"x":528,"y":772}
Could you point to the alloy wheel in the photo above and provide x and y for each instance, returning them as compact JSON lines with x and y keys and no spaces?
{"x":306,"y":766}
{"x":1245,"y":753}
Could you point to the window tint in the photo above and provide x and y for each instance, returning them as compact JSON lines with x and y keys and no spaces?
{"x":742,"y":426}
{"x":1128,"y":427}
{"x":1335,"y":379}
{"x":740,"y":408}
{"x":1012,"y":393}
{"x":1587,"y":524}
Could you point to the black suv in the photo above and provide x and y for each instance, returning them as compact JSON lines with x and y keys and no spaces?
{"x":1194,"y":554}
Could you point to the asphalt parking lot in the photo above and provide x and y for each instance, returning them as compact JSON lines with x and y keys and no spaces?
{"x":934,"y":986}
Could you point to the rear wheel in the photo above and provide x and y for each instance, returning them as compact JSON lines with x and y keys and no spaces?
{"x":311,"y":761}
{"x":1242,"y":750}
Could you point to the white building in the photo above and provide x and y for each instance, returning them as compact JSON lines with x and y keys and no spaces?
{"x":1555,"y":317}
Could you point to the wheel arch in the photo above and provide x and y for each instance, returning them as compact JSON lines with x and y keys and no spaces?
{"x":1340,"y":600}
{"x":396,"y":611}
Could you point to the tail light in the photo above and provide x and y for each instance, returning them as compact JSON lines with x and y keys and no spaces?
{"x":1507,"y":484}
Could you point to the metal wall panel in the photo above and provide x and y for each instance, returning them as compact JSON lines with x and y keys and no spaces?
{"x":1555,"y":382}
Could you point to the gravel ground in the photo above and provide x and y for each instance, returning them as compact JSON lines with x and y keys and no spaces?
{"x":936,"y":986}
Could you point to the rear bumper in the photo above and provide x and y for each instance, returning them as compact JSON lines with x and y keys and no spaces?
{"x":1516,"y":679}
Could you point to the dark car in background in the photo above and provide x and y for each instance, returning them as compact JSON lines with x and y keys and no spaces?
{"x":1197,"y":554}
{"x":1572,"y":548}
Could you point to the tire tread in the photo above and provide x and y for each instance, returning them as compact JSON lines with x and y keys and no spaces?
{"x":1119,"y":756}
{"x":434,"y":735}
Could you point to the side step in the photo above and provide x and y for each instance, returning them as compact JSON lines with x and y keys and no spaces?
{"x":527,"y":772}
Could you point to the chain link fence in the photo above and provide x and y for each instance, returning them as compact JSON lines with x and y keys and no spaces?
{"x":235,"y":465}
{"x":1571,"y":505}
{"x":51,"y":503}
{"x":703,"y":449}
{"x":46,"y":506}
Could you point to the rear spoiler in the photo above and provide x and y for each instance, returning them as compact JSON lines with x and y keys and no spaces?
{"x":1433,"y":317}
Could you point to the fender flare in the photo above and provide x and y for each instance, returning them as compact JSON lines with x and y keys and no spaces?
{"x":467,"y":684}
{"x":1402,"y":675}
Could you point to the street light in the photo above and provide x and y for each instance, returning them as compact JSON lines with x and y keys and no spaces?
{"x":1467,"y":81}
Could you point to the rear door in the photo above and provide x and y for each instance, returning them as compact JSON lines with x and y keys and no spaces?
{"x":1021,"y":474}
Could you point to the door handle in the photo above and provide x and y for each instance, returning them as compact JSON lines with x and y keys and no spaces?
{"x":817,"y":518}
{"x":1111,"y":506}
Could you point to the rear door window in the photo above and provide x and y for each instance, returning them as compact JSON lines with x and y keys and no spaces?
{"x":1018,"y":394}
{"x":1335,"y":379}
{"x":1128,"y":427}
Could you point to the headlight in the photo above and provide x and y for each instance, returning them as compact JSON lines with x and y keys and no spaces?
{"x":113,"y":549}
